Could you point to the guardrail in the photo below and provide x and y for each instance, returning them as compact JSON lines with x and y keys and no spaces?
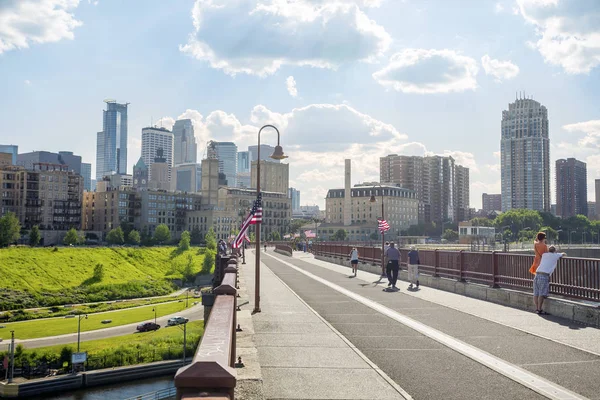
{"x":211,"y":374}
{"x":162,"y":394}
{"x":284,"y":248}
{"x":577,"y":278}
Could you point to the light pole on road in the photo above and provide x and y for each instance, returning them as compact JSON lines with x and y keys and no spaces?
{"x":79,"y":317}
{"x":373,"y":200}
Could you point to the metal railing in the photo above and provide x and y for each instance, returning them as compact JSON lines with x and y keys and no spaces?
{"x":577,"y":278}
{"x":163,"y":394}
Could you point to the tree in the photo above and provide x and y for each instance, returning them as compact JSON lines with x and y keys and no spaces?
{"x":134,"y":237}
{"x":295,"y":225}
{"x":208,"y":262}
{"x":196,"y":236}
{"x":146,"y":238}
{"x":162,"y":233}
{"x":184,"y":242}
{"x":479,"y":221}
{"x":9,"y":229}
{"x":71,"y":238}
{"x":126,"y":226}
{"x":275,"y":235}
{"x":211,"y":239}
{"x":188,"y":273}
{"x":551,"y":233}
{"x":450,"y":235}
{"x":98,"y":272}
{"x":340,"y":235}
{"x":115,"y":236}
{"x":374,"y":236}
{"x":519,"y":219}
{"x":34,"y":236}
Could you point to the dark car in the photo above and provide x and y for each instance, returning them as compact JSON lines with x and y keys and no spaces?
{"x":147,"y":326}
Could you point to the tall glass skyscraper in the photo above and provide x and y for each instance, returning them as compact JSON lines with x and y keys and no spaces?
{"x":525,"y":156}
{"x":185,"y":149}
{"x":11,"y":149}
{"x":111,"y":145}
{"x":226,"y":153}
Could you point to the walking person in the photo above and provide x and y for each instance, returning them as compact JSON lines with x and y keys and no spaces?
{"x":392,"y":259}
{"x":354,"y":260}
{"x":413,"y":267}
{"x":265,"y":247}
{"x":541,"y":282}
{"x":539,"y":247}
{"x":384,"y":266}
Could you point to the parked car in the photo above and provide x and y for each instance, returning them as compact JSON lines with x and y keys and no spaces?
{"x":147,"y":326}
{"x":177,"y":321}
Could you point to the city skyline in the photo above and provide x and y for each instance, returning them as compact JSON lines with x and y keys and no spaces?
{"x":440,"y":90}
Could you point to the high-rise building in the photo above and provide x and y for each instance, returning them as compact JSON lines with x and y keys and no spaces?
{"x":274,"y":177}
{"x":210,"y":181}
{"x":491,"y":202}
{"x":187,"y":178}
{"x":140,"y":175}
{"x":592,"y":210}
{"x":185,"y":149}
{"x":66,"y":158}
{"x":159,"y":172}
{"x":5,"y":159}
{"x":243,"y":161}
{"x":525,"y":156}
{"x":111,"y":145}
{"x":12,"y":149}
{"x":226,"y":153}
{"x":265,"y":153}
{"x":441,"y":186}
{"x":571,"y":188}
{"x":154,"y":138}
{"x":294,"y":194}
{"x":86,"y":173}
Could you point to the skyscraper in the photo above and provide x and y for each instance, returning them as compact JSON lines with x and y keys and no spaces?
{"x":67,"y":158}
{"x":265,"y":153}
{"x":571,"y":188}
{"x":86,"y":173}
{"x":525,"y":156}
{"x":13,"y":150}
{"x":491,"y":202}
{"x":294,"y":194}
{"x":274,"y":177}
{"x":111,"y":144}
{"x":226,"y":153}
{"x":154,"y":138}
{"x":243,"y":161}
{"x":185,"y":149}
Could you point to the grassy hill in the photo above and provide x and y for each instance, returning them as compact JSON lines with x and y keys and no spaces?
{"x":37,"y":277}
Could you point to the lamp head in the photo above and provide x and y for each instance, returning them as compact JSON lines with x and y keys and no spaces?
{"x":373,"y":199}
{"x":278,"y":153}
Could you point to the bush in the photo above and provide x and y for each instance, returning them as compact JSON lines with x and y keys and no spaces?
{"x":209,"y":262}
{"x":98,"y":272}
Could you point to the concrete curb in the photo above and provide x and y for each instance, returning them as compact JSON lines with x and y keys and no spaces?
{"x":285,"y":253}
{"x":571,"y":310}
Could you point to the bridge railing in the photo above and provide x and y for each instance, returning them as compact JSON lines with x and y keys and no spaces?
{"x":211,"y":374}
{"x":577,"y":278}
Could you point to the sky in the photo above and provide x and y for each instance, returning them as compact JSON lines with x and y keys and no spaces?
{"x":340,"y":79}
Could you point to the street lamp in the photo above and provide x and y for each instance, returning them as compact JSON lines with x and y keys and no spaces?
{"x":277,"y":155}
{"x":373,"y":200}
{"x":154,"y":311}
{"x":184,"y":338}
{"x":570,"y":235}
{"x":79,"y":317}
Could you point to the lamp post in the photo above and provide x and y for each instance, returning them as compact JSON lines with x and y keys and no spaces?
{"x":583,"y":238}
{"x":277,"y":155}
{"x":79,"y":317}
{"x":184,"y":338}
{"x":373,"y":200}
{"x":154,"y":311}
{"x":558,"y":235}
{"x":570,"y":236}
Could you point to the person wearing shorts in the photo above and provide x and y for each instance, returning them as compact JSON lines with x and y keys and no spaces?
{"x":541,"y":282}
{"x":354,"y":260}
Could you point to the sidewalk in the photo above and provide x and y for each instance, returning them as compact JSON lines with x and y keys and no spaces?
{"x":582,"y":337}
{"x":302,"y":356}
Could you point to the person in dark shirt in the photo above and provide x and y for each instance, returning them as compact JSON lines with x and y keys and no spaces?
{"x":392,"y":262}
{"x":413,"y":267}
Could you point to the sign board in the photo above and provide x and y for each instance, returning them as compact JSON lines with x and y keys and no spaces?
{"x":78,"y":358}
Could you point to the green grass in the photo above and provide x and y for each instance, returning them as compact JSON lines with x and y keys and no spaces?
{"x":34,"y":277}
{"x":60,"y":326}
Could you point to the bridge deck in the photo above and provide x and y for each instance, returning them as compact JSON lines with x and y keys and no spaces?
{"x":364,"y":343}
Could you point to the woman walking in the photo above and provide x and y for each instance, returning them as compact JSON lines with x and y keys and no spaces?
{"x":539,"y":247}
{"x":354,"y":260}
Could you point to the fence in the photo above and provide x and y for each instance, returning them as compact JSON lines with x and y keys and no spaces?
{"x":577,"y":278}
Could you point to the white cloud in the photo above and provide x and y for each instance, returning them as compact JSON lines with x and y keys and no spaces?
{"x":568,"y":32}
{"x":258,"y":37}
{"x":429,"y":71}
{"x":27,"y":82}
{"x":290,"y":83}
{"x":498,"y":8}
{"x":23,"y":22}
{"x":591,"y":129}
{"x":501,"y":70}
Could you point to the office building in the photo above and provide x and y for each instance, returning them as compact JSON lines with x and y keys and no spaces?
{"x":11,"y":149}
{"x":591,"y":207}
{"x":140,"y":175}
{"x":571,"y":188}
{"x":111,"y":142}
{"x":66,"y":158}
{"x":153,"y":139}
{"x":187,"y":178}
{"x":491,"y":202}
{"x":525,"y":156}
{"x":294,"y":194}
{"x":265,"y":153}
{"x":274,"y":177}
{"x":210,"y":181}
{"x":185,"y":149}
{"x":441,"y":186}
{"x":243,"y":169}
{"x":226,"y":153}
{"x":86,"y":174}
{"x":6,"y":159}
{"x":159,"y":172}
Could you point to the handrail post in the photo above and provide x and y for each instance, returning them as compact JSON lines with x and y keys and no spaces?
{"x":436,"y":263}
{"x":461,"y":266}
{"x":494,"y":269}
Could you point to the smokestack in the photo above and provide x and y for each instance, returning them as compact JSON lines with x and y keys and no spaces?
{"x":347,"y":192}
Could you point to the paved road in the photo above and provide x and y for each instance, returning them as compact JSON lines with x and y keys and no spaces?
{"x":193,"y":313}
{"x":417,"y":343}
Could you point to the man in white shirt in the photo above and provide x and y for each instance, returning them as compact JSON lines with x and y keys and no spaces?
{"x":541,"y":282}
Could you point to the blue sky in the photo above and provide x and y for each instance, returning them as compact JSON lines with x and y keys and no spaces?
{"x":341,"y":78}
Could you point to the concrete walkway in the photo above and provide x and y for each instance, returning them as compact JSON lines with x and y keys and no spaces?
{"x":302,"y":356}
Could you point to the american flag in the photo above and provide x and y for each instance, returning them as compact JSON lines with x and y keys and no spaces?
{"x":255,"y":217}
{"x":383,"y":225}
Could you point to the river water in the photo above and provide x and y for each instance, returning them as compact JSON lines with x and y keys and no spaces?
{"x":117,"y":391}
